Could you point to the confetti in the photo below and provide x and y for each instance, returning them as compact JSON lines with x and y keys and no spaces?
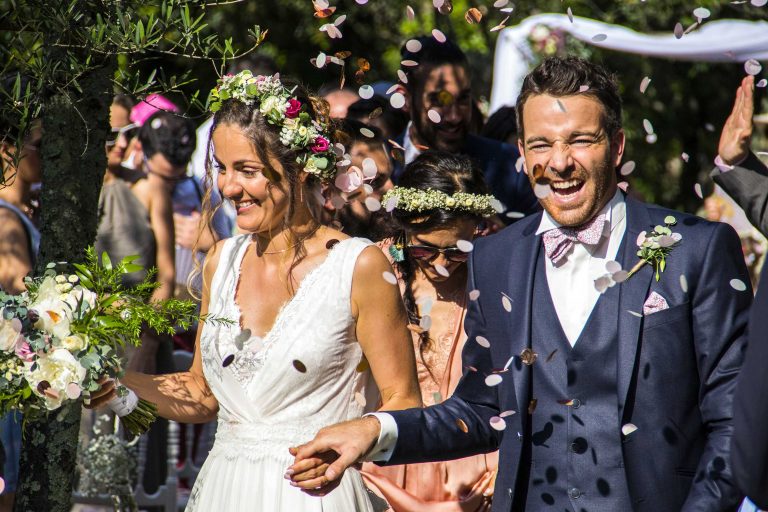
{"x":365,"y":92}
{"x":409,"y":63}
{"x":391,"y":204}
{"x":644,"y":83}
{"x":613,"y":266}
{"x":402,"y":76}
{"x":647,"y":126}
{"x":500,"y":25}
{"x":464,"y":245}
{"x":483,"y":342}
{"x":762,"y":83}
{"x":372,"y":204}
{"x":702,"y":13}
{"x":409,"y":12}
{"x":506,"y":303}
{"x":506,"y":414}
{"x":425,"y":323}
{"x":598,"y":38}
{"x":651,"y":138}
{"x":679,"y":31}
{"x":228,"y":360}
{"x":685,"y":157}
{"x":634,"y":313}
{"x":367,"y":132}
{"x":392,"y":89}
{"x":752,"y":67}
{"x":738,"y":285}
{"x":498,"y":423}
{"x":437,"y":397}
{"x":299,"y":366}
{"x":73,"y":391}
{"x":759,"y":3}
{"x":498,"y":4}
{"x":623,"y":185}
{"x":568,"y":402}
{"x":389,"y":277}
{"x":497,"y":205}
{"x":560,"y":106}
{"x":697,"y":190}
{"x":569,"y":12}
{"x":474,"y":294}
{"x":683,"y":283}
{"x":627,"y":168}
{"x":320,"y":60}
{"x":442,"y":270}
{"x":462,"y":426}
{"x":541,"y":191}
{"x":628,"y":429}
{"x":583,"y":88}
{"x":434,"y":116}
{"x":493,"y":379}
{"x":413,"y":45}
{"x":439,"y":36}
{"x":397,"y":100}
{"x":528,"y":356}
{"x":473,"y":15}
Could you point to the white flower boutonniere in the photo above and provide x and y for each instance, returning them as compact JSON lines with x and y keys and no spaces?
{"x":654,"y":247}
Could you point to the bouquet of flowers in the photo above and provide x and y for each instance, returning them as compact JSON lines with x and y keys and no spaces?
{"x":62,"y":336}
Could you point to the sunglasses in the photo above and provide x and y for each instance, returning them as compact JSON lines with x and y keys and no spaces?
{"x":128,"y":131}
{"x":429,"y":253}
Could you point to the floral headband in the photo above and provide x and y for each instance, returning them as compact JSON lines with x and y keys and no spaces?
{"x":278,"y":105}
{"x":416,"y":200}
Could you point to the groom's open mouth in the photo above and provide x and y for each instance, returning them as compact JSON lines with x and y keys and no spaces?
{"x":566,"y":190}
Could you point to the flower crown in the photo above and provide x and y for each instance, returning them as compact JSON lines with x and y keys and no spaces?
{"x":417,"y":200}
{"x":279,"y":106}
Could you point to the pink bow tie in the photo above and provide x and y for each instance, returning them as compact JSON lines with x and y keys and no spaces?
{"x":558,"y":241}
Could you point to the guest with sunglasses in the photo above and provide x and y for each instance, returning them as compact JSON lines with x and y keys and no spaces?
{"x":436,"y":211}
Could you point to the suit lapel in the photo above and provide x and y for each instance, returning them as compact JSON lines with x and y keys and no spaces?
{"x":632,"y":297}
{"x":521,"y":272}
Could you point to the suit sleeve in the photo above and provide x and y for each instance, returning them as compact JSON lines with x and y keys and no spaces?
{"x":719,"y":319}
{"x":747,"y":184}
{"x":459,"y":426}
{"x":749,"y":451}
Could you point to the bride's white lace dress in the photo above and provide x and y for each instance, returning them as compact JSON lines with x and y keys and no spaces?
{"x":278,"y":391}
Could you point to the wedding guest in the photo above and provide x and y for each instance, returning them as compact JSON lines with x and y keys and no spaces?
{"x":19,"y":245}
{"x":339,"y":98}
{"x":377,"y":111}
{"x":431,"y":222}
{"x":613,"y":388}
{"x":745,"y":178}
{"x":305,"y":307}
{"x":440,"y":103}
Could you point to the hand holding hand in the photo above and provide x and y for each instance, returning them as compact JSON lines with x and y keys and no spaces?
{"x":319,"y":464}
{"x":737,"y":131}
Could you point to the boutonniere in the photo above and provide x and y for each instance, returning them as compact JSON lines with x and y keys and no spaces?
{"x":654,"y":247}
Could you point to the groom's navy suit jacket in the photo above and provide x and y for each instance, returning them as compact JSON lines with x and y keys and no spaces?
{"x":676,"y":368}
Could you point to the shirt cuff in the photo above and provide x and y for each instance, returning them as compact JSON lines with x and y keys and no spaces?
{"x":385,"y":445}
{"x":724,"y":167}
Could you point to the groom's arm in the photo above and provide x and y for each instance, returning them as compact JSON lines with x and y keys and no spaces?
{"x":719,"y":318}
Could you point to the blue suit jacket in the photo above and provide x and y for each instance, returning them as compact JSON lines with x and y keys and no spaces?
{"x":497,"y":160}
{"x":676,"y":368}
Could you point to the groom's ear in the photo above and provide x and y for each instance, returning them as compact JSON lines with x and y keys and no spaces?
{"x":521,"y":149}
{"x":618,"y":142}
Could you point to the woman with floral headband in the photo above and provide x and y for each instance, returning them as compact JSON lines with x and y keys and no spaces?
{"x":307,"y":307}
{"x":437,"y":208}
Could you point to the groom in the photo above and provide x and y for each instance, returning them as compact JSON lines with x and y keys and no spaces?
{"x":612,"y":401}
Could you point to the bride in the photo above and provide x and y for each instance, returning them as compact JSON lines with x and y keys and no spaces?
{"x":311,"y":312}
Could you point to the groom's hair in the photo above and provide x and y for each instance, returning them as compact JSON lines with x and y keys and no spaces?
{"x":568,"y":76}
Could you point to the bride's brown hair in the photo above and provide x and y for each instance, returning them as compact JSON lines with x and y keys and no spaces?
{"x":265,"y":138}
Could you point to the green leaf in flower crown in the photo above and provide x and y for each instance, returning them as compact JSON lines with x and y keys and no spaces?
{"x":321,"y":163}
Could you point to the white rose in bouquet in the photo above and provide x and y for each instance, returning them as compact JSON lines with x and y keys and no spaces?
{"x":9,"y":333}
{"x":55,"y":378}
{"x":74,"y":343}
{"x":53,"y":311}
{"x":79,"y":293}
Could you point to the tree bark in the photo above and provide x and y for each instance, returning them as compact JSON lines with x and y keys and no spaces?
{"x":74,"y":161}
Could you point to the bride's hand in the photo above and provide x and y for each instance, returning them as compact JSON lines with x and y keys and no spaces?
{"x":104,"y":394}
{"x":312,"y":470}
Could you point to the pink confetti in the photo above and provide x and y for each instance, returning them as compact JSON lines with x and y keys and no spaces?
{"x":465,"y":245}
{"x":685,"y":157}
{"x":372,"y":204}
{"x":409,"y":12}
{"x":644,"y":84}
{"x":397,"y":100}
{"x":623,"y":185}
{"x":627,"y":168}
{"x":438,"y":35}
{"x":434,"y":116}
{"x":402,"y":76}
{"x":752,"y":67}
{"x":409,"y":63}
{"x":679,"y":30}
{"x":583,"y":88}
{"x":474,"y":294}
{"x":506,"y":413}
{"x":389,"y":277}
{"x":506,"y":303}
{"x":442,"y":270}
{"x":762,"y":83}
{"x":498,"y":4}
{"x":498,"y":423}
{"x":483,"y":342}
{"x":413,"y":45}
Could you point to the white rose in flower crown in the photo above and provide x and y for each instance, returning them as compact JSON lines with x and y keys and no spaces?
{"x":273,"y":108}
{"x":73,"y":343}
{"x":9,"y":333}
{"x":59,"y":369}
{"x":311,"y":166}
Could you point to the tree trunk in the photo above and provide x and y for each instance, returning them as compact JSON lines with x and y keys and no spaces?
{"x":74,"y":161}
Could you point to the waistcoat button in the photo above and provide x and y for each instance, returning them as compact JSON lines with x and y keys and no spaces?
{"x":576,"y":403}
{"x":574,"y":493}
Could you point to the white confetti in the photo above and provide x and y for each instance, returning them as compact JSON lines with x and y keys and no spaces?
{"x":474,"y":294}
{"x":635,"y":313}
{"x":542,"y":191}
{"x":752,"y":67}
{"x":598,"y":38}
{"x":583,"y":88}
{"x":506,"y":413}
{"x":628,"y":429}
{"x":434,"y":115}
{"x":365,"y":92}
{"x":647,"y":126}
{"x":644,"y":84}
{"x":759,"y":3}
{"x":498,"y":4}
{"x":442,"y":270}
{"x":702,"y":13}
{"x":651,"y":138}
{"x":397,"y":100}
{"x":409,"y":12}
{"x":369,"y":168}
{"x":391,"y":204}
{"x":515,"y":215}
{"x":763,"y":82}
{"x":738,"y":285}
{"x":439,"y":36}
{"x":483,"y":342}
{"x":465,"y":245}
{"x":570,"y":14}
{"x":409,"y":63}
{"x":679,"y":30}
{"x":372,"y":204}
{"x":506,"y":303}
{"x":697,"y":190}
{"x":493,"y":379}
{"x":683,"y":283}
{"x":613,"y":266}
{"x":389,"y":277}
{"x":413,"y":45}
{"x":627,"y":168}
{"x":367,"y":132}
{"x":498,"y":423}
{"x":685,"y":157}
{"x":402,"y":76}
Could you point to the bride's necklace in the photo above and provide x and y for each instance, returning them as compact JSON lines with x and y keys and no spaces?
{"x":290,"y":246}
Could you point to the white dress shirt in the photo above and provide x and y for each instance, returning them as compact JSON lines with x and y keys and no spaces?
{"x":571,"y":284}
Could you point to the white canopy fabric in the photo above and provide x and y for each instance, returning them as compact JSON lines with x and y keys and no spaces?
{"x":715,"y":41}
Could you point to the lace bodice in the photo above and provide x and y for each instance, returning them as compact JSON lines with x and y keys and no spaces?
{"x":280,"y":389}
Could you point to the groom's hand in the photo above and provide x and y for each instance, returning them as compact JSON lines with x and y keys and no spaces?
{"x":319,"y":464}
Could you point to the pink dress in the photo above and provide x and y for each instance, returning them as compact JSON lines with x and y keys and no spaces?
{"x":438,"y":486}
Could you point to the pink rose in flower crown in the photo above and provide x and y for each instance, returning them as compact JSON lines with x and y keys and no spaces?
{"x":293,"y":108}
{"x":320,"y":145}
